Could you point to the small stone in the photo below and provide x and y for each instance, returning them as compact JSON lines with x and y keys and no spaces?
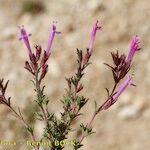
{"x":128,"y":112}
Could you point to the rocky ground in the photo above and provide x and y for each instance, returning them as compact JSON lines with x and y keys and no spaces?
{"x":126,"y":126}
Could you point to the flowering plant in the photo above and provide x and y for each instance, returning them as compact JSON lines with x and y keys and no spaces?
{"x":57,"y":129}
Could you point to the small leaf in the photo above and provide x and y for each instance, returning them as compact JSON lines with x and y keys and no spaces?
{"x":29,"y":129}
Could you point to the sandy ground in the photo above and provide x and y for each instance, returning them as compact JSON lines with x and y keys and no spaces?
{"x":126,"y":126}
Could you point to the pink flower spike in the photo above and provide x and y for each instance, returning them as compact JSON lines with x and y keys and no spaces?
{"x":51,"y":38}
{"x":95,"y":28}
{"x":122,"y":88}
{"x":24,"y":36}
{"x":133,"y":48}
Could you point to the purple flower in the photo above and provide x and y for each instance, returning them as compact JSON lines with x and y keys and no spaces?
{"x":51,"y":38}
{"x":89,"y":52}
{"x":95,"y":28}
{"x":24,"y":36}
{"x":133,"y":48}
{"x":115,"y":97}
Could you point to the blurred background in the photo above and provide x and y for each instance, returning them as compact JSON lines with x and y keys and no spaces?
{"x":126,"y":126}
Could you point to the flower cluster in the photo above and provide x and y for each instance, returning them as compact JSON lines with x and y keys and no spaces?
{"x":122,"y":65}
{"x":57,"y":129}
{"x":33,"y":65}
